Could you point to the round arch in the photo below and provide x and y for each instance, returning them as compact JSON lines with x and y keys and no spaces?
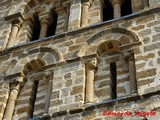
{"x":123,"y":36}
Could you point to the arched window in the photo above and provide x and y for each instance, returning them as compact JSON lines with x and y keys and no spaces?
{"x":35,"y":94}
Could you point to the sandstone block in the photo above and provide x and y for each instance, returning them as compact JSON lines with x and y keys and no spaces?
{"x":77,"y":90}
{"x":146,"y":73}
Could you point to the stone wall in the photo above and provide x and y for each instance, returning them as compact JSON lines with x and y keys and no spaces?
{"x":59,"y":64}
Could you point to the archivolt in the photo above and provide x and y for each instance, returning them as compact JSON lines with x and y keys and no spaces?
{"x":124,"y":37}
{"x":47,"y":55}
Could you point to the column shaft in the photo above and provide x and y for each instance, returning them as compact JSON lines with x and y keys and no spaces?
{"x":44,"y":28}
{"x":90,"y":70}
{"x":117,"y":10}
{"x":85,"y":9}
{"x":132,"y":76}
{"x":90,"y":86}
{"x":11,"y":102}
{"x":13,"y":35}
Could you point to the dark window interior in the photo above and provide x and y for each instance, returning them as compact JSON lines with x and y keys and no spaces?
{"x":52,"y":27}
{"x":113,"y":74}
{"x":36,"y":29}
{"x":107,"y":11}
{"x":126,"y":8}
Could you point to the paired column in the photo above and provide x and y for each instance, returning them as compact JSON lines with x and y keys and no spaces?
{"x":116,"y":8}
{"x":129,"y":56}
{"x":90,"y":71}
{"x":44,"y":21}
{"x":14,"y":90}
{"x":85,"y":8}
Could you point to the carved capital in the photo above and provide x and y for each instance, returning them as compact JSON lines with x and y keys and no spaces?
{"x":88,"y":2}
{"x":15,"y":78}
{"x":92,"y":64}
{"x":45,"y":18}
{"x":128,"y":56}
{"x":16,"y":18}
{"x":113,"y":2}
{"x":58,"y":5}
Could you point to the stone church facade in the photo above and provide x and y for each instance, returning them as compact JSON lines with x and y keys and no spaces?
{"x":79,"y":59}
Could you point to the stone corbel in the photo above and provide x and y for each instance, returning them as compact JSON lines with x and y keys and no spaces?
{"x":90,"y":72}
{"x":129,"y":57}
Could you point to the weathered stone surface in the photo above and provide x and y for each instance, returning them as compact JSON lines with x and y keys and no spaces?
{"x":77,"y":90}
{"x":145,"y":32}
{"x":145,"y":82}
{"x":65,"y":90}
{"x":146,"y":73}
{"x":72,"y":117}
{"x":56,"y":102}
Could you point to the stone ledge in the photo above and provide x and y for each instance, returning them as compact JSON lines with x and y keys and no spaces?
{"x":130,"y":98}
{"x":44,"y":117}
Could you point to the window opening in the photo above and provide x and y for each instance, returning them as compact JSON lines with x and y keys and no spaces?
{"x":36,"y":29}
{"x":52,"y":28}
{"x":126,"y":8}
{"x":107,"y":11}
{"x":33,"y":97}
{"x":113,"y":75}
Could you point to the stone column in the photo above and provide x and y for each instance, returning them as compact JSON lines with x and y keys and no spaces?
{"x":85,"y":8}
{"x":13,"y":34}
{"x":129,"y":56}
{"x":15,"y":81}
{"x":11,"y":101}
{"x":44,"y":21}
{"x":90,"y":70}
{"x":16,"y":20}
{"x":116,"y":8}
{"x":5,"y":95}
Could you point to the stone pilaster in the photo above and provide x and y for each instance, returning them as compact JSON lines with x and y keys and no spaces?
{"x":16,"y":20}
{"x":75,"y":15}
{"x":129,"y":56}
{"x":85,"y":8}
{"x":90,"y":71}
{"x":45,"y":19}
{"x":116,"y":8}
{"x":67,"y":10}
{"x":49,"y":78}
